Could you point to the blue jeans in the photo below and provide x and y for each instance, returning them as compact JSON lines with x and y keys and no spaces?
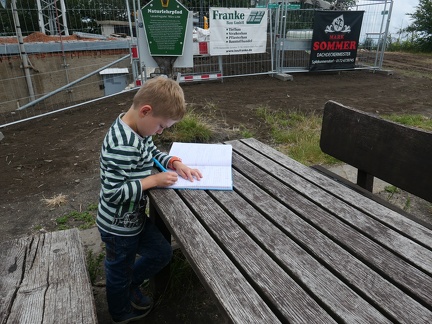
{"x":124,"y":271}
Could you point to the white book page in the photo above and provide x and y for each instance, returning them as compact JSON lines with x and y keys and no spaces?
{"x":219,"y":177}
{"x":194,"y":154}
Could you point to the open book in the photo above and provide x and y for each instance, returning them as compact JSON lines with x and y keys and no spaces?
{"x":213,"y":160}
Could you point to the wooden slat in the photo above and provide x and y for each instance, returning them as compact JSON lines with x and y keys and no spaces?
{"x":287,"y":298}
{"x":236,"y":297}
{"x":12,"y":258}
{"x":403,"y":225}
{"x":370,"y":284}
{"x":55,"y":287}
{"x":393,"y":152}
{"x":409,"y":277}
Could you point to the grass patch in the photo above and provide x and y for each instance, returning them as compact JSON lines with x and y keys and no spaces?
{"x":81,"y":219}
{"x":94,"y":265}
{"x":193,"y":128}
{"x":411,"y":120}
{"x":297,"y":135}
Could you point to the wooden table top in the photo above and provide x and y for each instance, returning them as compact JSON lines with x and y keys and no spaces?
{"x":289,"y":244}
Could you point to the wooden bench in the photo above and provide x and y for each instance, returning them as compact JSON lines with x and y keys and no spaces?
{"x":291,"y":245}
{"x":43,"y":279}
{"x":397,"y":154}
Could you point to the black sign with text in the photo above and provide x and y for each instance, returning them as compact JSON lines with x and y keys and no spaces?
{"x":335,"y":40}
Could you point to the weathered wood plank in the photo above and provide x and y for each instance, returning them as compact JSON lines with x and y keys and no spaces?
{"x":55,"y":287}
{"x":393,"y":152}
{"x":398,"y":306}
{"x":12,"y":258}
{"x":405,"y":226}
{"x":236,"y":297}
{"x":276,"y":283}
{"x":388,"y":263}
{"x":287,"y":298}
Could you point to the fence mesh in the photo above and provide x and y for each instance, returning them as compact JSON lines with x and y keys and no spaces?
{"x":74,"y":44}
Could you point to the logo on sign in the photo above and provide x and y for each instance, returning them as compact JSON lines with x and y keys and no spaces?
{"x":338,"y":26}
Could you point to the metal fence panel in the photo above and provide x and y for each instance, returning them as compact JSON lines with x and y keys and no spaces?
{"x":65,"y":59}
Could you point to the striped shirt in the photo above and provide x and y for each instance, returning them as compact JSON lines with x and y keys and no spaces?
{"x":125,"y":159}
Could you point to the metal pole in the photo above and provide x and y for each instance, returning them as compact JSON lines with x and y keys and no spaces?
{"x":23,"y":54}
{"x":63,"y":11}
{"x":383,"y":48}
{"x":40,"y":17}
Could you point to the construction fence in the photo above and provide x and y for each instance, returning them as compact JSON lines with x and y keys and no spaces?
{"x":90,"y":55}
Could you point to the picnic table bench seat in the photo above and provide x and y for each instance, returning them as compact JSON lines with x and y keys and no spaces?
{"x":43,"y":279}
{"x":290,"y":245}
{"x":395,"y":153}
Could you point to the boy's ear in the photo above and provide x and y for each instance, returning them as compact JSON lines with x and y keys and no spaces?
{"x":145,"y":110}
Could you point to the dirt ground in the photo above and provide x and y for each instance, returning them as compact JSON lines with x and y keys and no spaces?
{"x":59,"y":154}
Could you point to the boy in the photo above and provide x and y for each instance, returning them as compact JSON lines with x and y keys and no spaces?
{"x":125,"y":171}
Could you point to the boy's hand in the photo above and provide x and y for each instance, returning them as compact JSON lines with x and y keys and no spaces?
{"x":187,"y":173}
{"x":166,"y":179}
{"x":162,"y":179}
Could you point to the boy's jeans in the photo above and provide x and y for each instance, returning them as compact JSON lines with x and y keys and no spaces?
{"x":123,"y":272}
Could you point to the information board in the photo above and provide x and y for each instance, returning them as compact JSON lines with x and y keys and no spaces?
{"x":165,"y":26}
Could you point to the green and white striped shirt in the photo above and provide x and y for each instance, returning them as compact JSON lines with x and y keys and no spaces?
{"x":125,"y":159}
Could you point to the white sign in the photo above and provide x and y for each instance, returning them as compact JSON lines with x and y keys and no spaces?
{"x":236,"y":31}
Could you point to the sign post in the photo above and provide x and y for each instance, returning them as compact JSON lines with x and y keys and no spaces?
{"x":165,"y":24}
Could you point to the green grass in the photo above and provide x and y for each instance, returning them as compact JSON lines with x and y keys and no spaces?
{"x":193,"y":128}
{"x":94,"y":265}
{"x":296,"y":134}
{"x":412,"y":120}
{"x":81,"y":219}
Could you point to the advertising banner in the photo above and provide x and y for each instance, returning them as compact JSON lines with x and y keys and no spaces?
{"x":335,"y":39}
{"x":238,"y":31}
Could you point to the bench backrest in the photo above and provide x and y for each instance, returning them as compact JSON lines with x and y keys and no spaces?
{"x":397,"y":154}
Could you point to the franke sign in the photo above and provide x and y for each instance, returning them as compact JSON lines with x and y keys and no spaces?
{"x":238,"y":31}
{"x":335,"y":39}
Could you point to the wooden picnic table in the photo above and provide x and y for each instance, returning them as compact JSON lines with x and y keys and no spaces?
{"x":291,"y":245}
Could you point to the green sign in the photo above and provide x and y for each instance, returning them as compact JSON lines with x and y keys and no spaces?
{"x":165,"y":25}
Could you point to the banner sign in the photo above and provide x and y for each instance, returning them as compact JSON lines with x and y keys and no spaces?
{"x":335,"y":39}
{"x":165,"y":26}
{"x":238,"y":31}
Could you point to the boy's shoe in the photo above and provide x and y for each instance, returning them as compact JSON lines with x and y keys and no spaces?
{"x":139,"y":301}
{"x":133,"y":315}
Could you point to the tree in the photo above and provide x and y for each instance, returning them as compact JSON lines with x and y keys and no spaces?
{"x":422,"y":25}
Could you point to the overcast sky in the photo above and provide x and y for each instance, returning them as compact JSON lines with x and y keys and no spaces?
{"x":399,"y":19}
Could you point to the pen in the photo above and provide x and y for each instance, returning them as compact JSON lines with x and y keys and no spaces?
{"x":160,"y":166}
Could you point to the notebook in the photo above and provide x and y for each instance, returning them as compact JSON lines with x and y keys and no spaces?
{"x":213,"y":160}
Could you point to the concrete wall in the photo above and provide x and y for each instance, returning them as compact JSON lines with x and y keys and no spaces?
{"x":51,"y":71}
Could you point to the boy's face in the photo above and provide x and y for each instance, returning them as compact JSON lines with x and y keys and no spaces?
{"x":148,"y":124}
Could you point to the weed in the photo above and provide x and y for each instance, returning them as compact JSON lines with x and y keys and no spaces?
{"x":297,"y":135}
{"x":244,"y":132}
{"x":192,"y":128}
{"x":407,"y":205}
{"x":85,"y":219}
{"x":94,"y":265}
{"x":391,"y":190}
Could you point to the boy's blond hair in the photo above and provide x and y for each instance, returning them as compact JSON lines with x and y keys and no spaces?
{"x":164,"y":95}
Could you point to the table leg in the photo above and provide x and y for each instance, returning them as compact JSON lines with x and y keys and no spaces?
{"x":161,"y":280}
